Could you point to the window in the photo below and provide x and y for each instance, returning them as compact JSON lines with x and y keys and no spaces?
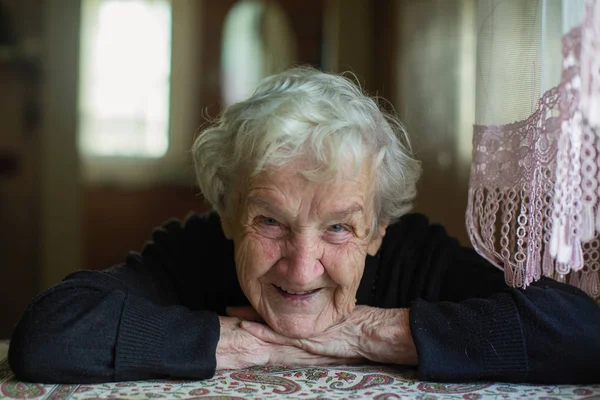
{"x":258,"y":41}
{"x":125,"y":68}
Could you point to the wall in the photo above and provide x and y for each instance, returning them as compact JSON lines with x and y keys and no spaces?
{"x":116,"y":221}
{"x":39,"y":200}
{"x":435,"y":80}
{"x":19,"y":179}
{"x":60,"y":246}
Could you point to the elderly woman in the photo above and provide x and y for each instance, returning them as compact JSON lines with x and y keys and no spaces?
{"x":308,"y":258}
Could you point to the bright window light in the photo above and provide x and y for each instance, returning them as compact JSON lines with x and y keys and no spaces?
{"x":125,"y":78}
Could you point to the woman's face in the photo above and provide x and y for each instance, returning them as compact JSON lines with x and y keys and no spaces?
{"x":300,"y":247}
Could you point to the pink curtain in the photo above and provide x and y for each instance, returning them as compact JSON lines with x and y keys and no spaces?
{"x":534,"y":195}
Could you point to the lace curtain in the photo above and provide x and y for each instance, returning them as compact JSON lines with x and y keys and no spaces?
{"x":534,"y":194}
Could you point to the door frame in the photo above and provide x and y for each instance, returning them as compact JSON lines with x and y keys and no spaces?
{"x":60,"y":239}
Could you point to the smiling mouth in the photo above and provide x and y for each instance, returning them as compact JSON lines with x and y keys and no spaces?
{"x":295,"y":295}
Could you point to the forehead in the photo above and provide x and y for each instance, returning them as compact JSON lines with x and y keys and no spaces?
{"x":288,"y":187}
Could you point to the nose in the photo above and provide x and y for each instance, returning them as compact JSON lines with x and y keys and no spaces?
{"x":302,"y":261}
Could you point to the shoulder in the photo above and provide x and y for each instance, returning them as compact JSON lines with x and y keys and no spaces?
{"x":410,"y":221}
{"x":206,"y":225}
{"x":413,"y":260}
{"x":207,"y":220}
{"x":197,"y":233}
{"x":193,"y":223}
{"x":413,"y":228}
{"x":414,"y":244}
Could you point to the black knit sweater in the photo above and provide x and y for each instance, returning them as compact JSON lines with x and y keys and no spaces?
{"x":157,"y":314}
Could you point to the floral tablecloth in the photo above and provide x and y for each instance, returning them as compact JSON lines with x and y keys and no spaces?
{"x":276,"y":382}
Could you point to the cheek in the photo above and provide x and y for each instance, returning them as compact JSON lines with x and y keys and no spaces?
{"x":255,"y":255}
{"x":270,"y":249}
{"x":345,"y":264}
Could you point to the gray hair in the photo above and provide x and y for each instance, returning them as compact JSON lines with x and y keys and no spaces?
{"x":302,"y":113}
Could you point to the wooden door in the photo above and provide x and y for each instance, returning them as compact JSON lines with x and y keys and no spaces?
{"x":19,"y":163}
{"x":39,"y":235}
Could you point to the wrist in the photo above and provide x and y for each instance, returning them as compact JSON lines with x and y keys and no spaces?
{"x":222,"y":352}
{"x":236,"y":348}
{"x":386,"y":337}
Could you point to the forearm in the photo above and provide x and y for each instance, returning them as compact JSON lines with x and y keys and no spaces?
{"x":170,"y":341}
{"x":561,"y":326}
{"x":60,"y":338}
{"x":471,"y":340}
{"x":87,"y":332}
{"x":548,"y":333}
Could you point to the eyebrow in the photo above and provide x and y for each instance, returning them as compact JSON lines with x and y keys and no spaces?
{"x":260,"y":202}
{"x":352,"y":209}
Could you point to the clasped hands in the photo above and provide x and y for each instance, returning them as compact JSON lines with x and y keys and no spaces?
{"x":367,"y":334}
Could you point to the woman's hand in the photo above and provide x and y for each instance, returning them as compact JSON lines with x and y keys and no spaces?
{"x":379,"y":335}
{"x":239,"y":349}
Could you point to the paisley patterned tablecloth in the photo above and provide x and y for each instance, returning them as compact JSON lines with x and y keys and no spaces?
{"x":276,"y":382}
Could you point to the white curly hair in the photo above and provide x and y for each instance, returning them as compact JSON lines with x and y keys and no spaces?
{"x":303,"y":113}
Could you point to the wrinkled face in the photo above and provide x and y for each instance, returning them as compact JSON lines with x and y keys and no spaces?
{"x":300,"y":247}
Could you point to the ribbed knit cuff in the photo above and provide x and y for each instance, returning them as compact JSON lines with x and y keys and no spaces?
{"x":474,"y":339}
{"x":165,"y":341}
{"x":140,"y":341}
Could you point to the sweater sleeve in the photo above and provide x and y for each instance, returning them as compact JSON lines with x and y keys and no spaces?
{"x":133,"y":321}
{"x":468,"y":324}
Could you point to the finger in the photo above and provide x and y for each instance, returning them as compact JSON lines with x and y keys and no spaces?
{"x":299,"y":357}
{"x":266,"y":334}
{"x":349,"y":361}
{"x":246,"y":313}
{"x":326,"y":360}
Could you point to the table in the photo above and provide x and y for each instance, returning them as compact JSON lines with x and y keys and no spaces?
{"x":275,"y":382}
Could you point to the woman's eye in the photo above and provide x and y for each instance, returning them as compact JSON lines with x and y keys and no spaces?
{"x":270,"y":227}
{"x":336,"y":228}
{"x":270,"y":221}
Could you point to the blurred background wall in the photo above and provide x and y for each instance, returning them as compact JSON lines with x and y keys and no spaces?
{"x":73,"y":196}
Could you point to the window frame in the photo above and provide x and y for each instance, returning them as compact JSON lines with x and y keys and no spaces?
{"x":175,"y":166}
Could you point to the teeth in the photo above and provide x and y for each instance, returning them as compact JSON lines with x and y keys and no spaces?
{"x":292,"y":292}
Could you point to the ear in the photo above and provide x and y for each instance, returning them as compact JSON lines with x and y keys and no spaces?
{"x":376,"y":240}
